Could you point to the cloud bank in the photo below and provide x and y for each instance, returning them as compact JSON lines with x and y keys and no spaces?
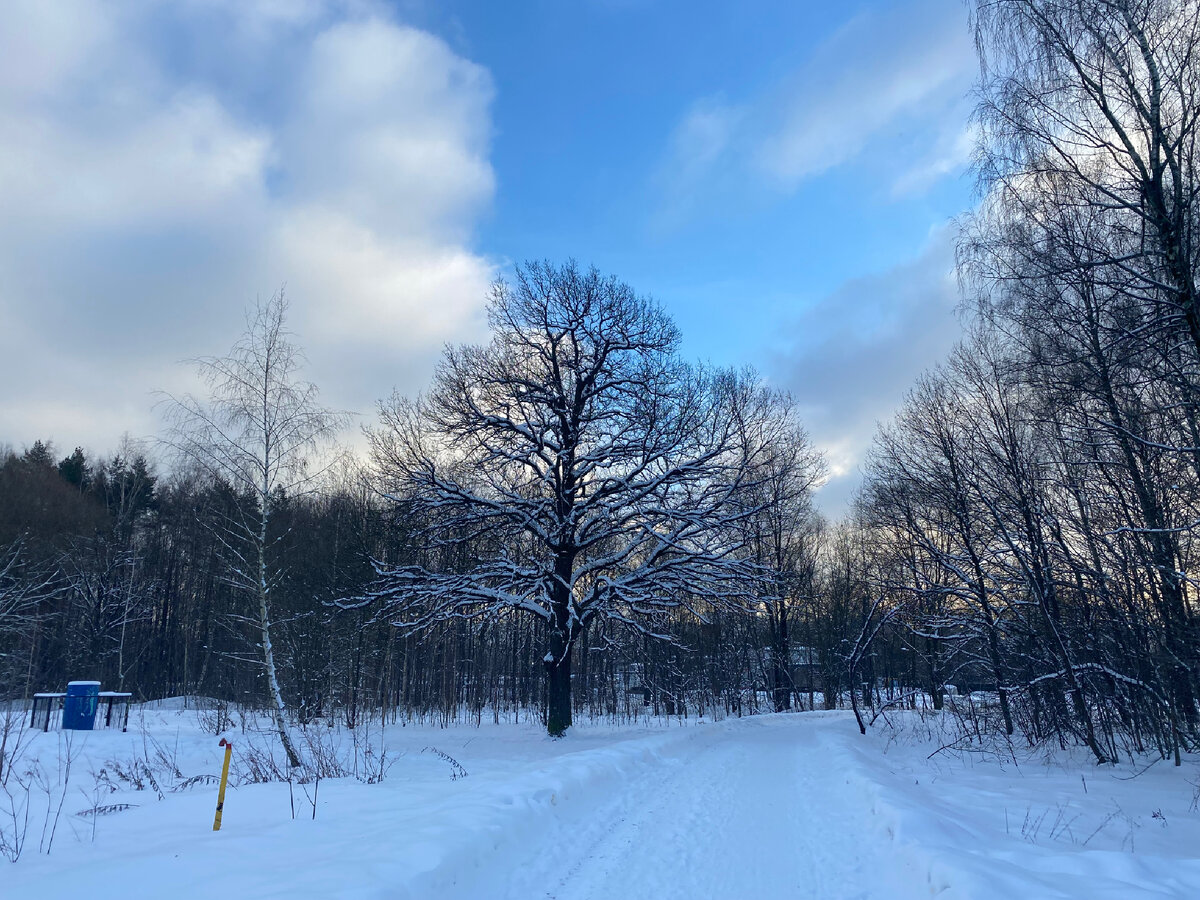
{"x":166,"y":163}
{"x":850,"y":359}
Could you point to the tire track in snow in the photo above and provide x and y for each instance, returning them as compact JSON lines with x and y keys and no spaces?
{"x":747,"y":810}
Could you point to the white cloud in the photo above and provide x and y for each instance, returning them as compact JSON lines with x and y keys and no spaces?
{"x":878,"y":69}
{"x":951,"y":154}
{"x":376,"y":310}
{"x":43,"y":46}
{"x":152,"y":197}
{"x":880,"y":78}
{"x":698,"y":156}
{"x":175,"y":161}
{"x":393,"y":128}
{"x":850,"y":359}
{"x":258,"y":18}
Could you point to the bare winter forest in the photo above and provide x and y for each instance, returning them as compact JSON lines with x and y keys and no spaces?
{"x":574,"y":518}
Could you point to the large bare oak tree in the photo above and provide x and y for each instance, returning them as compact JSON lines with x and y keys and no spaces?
{"x":573,"y":468}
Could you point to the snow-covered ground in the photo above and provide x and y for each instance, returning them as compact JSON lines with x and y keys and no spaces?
{"x":789,"y":806}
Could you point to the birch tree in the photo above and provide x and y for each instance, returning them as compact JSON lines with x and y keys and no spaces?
{"x":1097,"y":101}
{"x":259,"y":431}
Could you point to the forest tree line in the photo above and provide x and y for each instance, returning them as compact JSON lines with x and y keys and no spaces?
{"x":572,"y":508}
{"x":115,"y":572}
{"x":1030,"y":514}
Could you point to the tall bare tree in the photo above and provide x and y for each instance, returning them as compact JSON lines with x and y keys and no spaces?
{"x":1096,"y":102}
{"x":259,"y":431}
{"x":574,"y":469}
{"x":782,"y":534}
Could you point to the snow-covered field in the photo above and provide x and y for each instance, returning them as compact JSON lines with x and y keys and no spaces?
{"x":789,"y":806}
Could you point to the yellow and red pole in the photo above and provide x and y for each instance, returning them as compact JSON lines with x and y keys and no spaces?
{"x":224,"y":780}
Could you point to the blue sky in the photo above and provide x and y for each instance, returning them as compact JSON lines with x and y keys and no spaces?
{"x":780,"y":176}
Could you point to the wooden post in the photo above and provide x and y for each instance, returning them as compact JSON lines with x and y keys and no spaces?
{"x":224,"y":779}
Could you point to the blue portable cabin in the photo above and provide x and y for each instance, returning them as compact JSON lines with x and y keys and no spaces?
{"x":79,"y":706}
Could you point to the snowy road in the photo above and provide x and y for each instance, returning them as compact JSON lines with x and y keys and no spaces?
{"x":755,"y":816}
{"x":791,"y":807}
